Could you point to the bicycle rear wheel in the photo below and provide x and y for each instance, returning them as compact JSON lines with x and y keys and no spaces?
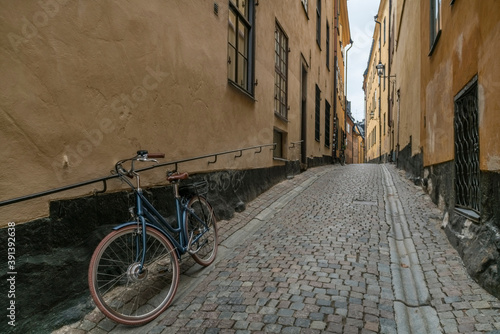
{"x":119,"y":289}
{"x":203,"y":249}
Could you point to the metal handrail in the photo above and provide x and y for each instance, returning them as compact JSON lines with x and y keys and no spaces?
{"x":106,"y":178}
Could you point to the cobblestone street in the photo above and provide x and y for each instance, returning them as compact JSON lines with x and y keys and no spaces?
{"x":340,"y":249}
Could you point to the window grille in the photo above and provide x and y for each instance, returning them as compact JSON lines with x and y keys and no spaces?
{"x":467,"y":190}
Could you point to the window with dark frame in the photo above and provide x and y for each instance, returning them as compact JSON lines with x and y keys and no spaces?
{"x":467,"y":168}
{"x":280,"y":73}
{"x":384,"y":31}
{"x":278,"y":140}
{"x":240,"y":61}
{"x":317,"y":114}
{"x":304,"y":4}
{"x":327,"y":123}
{"x":327,"y":45}
{"x":318,"y":22}
{"x":435,"y":23}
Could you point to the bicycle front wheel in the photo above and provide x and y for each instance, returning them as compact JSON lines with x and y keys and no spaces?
{"x":120,"y":289}
{"x":201,"y":227}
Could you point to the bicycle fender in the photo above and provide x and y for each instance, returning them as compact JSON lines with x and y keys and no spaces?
{"x":169,"y":237}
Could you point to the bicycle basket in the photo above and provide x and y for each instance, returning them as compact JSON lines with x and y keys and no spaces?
{"x":195,"y":188}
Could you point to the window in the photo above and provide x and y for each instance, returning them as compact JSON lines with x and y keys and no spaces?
{"x":384,"y":124}
{"x":384,"y":31}
{"x":327,"y":124}
{"x":383,"y":80}
{"x":318,"y":22}
{"x":304,"y":3}
{"x":278,"y":140}
{"x":240,"y":44}
{"x":280,"y":73}
{"x":327,"y":45}
{"x":435,"y":23}
{"x":467,"y":169}
{"x":316,"y":114}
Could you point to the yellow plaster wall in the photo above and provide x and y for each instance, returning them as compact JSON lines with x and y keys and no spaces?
{"x":468,"y":45}
{"x":407,"y":68}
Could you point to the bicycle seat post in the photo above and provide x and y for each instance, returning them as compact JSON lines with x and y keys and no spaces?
{"x":176,"y":189}
{"x":174,"y":179}
{"x":138,"y":181}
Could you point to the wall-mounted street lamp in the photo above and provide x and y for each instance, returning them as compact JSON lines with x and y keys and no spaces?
{"x":381,"y":71}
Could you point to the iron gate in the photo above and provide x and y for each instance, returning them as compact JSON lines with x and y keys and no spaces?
{"x":467,"y":190}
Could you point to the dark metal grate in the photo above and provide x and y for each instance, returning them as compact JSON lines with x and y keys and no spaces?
{"x":467,"y":149}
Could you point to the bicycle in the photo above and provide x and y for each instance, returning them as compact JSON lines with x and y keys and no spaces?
{"x":134,"y":271}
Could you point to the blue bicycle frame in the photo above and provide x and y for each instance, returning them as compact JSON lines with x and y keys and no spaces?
{"x":148,"y":216}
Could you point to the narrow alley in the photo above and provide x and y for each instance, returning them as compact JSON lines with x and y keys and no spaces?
{"x":339,"y":249}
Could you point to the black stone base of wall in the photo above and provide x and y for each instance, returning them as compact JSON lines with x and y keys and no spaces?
{"x":53,"y":254}
{"x":412,"y":164}
{"x":380,"y":160}
{"x":479,"y":247}
{"x":478,"y":242}
{"x":438,"y":183}
{"x":319,"y":161}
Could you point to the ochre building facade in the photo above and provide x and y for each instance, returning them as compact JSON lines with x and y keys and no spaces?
{"x":87,"y":84}
{"x":443,"y":111}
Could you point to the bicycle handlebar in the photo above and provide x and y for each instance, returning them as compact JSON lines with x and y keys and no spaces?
{"x":143,"y":156}
{"x":156,"y":155}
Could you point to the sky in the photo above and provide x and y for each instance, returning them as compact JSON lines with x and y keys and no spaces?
{"x":362,"y":23}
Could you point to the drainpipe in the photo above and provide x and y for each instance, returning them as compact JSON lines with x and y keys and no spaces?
{"x":399,"y":115}
{"x":379,"y":90}
{"x":390,"y":109}
{"x":335,"y":83}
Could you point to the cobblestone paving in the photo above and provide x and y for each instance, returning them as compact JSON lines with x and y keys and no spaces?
{"x":323,"y":263}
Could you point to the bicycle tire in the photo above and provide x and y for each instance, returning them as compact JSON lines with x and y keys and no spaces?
{"x":205,"y":248}
{"x":117,"y":287}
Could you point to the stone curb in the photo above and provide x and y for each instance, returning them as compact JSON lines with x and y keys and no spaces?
{"x":412,"y":295}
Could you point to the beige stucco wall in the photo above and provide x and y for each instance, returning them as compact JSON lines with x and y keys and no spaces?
{"x":99,"y":80}
{"x":85,"y":84}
